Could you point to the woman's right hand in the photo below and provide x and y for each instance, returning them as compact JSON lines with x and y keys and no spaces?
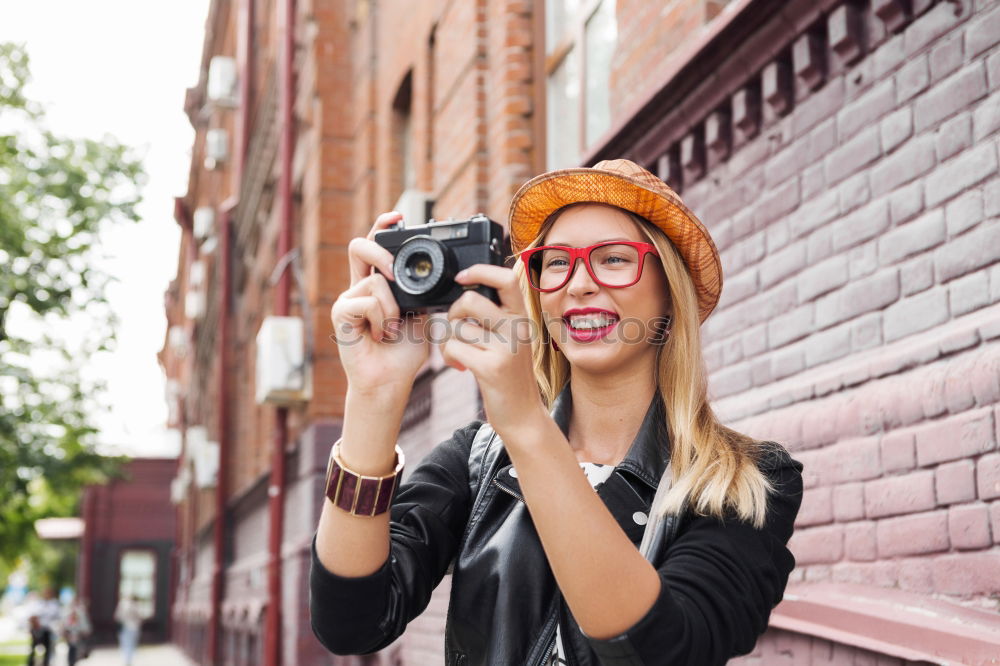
{"x":374,"y":356}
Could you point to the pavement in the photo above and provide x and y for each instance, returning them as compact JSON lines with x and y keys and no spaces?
{"x":146,"y":655}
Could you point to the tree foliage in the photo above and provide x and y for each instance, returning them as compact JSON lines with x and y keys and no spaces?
{"x":56,"y":195}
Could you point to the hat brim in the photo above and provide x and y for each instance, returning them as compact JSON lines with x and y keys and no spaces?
{"x":543,"y":195}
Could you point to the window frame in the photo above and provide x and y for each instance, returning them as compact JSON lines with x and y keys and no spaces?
{"x":547,"y":62}
{"x":156,"y":570}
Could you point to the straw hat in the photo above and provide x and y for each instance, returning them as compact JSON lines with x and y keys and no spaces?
{"x":626,"y":185}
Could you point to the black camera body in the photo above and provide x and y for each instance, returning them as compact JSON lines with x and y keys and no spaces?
{"x":427,"y":257}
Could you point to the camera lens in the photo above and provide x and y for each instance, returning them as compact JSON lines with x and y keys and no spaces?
{"x":419,"y":266}
{"x":423,"y":267}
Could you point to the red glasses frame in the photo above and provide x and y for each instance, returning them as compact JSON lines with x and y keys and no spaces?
{"x":584,"y":253}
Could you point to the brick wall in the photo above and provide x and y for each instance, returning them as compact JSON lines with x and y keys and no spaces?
{"x":786,"y":648}
{"x":131,"y":513}
{"x":871,"y":307}
{"x":859,"y":232}
{"x":648,"y":34}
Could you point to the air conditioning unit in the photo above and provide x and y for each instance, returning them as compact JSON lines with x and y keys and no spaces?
{"x":196,"y":274}
{"x":415,"y":206}
{"x":204,"y":455}
{"x":208,"y":246}
{"x":216,"y":147}
{"x":179,"y":484}
{"x":223,"y":88}
{"x":173,"y":391}
{"x":282,"y":373}
{"x":194,"y":304}
{"x":177,"y":339}
{"x":204,"y":222}
{"x":206,"y":466}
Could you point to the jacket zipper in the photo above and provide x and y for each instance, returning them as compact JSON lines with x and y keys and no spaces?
{"x":550,"y":643}
{"x":508,"y":491}
{"x":547,"y":655}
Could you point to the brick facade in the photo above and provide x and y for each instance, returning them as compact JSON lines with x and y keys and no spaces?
{"x":128,"y":514}
{"x":844,"y":156}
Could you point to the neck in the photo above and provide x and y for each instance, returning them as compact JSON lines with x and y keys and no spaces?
{"x":607,"y":413}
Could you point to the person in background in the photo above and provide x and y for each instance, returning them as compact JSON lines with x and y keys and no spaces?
{"x":75,"y":630}
{"x":42,"y":623}
{"x":39,"y":636}
{"x":130,"y":615}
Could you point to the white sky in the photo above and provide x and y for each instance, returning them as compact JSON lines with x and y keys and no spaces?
{"x":121,"y":67}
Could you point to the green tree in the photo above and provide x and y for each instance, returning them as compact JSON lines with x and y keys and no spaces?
{"x":56,"y":194}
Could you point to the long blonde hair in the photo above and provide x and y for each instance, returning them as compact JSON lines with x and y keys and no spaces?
{"x":714,"y":469}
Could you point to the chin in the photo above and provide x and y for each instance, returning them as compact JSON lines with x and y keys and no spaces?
{"x":598,"y":359}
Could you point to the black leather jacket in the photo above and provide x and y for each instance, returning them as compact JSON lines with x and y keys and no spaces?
{"x":461,"y":509}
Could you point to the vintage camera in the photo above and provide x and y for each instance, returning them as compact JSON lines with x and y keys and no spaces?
{"x":427,"y":258}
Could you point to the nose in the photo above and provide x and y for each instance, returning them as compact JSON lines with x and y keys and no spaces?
{"x":580,"y":281}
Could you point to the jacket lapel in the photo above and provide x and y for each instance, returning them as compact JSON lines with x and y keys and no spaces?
{"x":628,"y":492}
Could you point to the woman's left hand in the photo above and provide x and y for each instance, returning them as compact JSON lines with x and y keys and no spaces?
{"x":494,"y":342}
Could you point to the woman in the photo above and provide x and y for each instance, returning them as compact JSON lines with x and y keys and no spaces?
{"x":679,"y":556}
{"x":130,"y":614}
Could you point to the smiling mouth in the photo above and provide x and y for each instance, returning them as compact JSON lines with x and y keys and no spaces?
{"x":593,"y":333}
{"x":585,"y":324}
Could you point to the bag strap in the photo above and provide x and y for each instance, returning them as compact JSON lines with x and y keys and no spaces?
{"x":479,"y":458}
{"x":660,"y":529}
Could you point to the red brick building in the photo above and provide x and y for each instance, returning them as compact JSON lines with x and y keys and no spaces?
{"x":843,"y":153}
{"x":128,"y":546}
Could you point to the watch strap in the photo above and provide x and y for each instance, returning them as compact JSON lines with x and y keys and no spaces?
{"x":358,"y":494}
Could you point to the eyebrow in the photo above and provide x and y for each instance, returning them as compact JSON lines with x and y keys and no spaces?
{"x":594,"y":243}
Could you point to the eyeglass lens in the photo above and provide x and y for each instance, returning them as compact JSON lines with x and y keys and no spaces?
{"x":615,"y":265}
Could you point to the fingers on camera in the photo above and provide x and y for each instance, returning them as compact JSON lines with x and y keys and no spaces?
{"x":383,"y":221}
{"x":363,"y":254}
{"x":370,"y":299}
{"x":379,"y":288}
{"x":479,"y":308}
{"x":371,"y":310}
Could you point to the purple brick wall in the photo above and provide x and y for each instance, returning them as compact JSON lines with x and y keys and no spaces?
{"x":785,"y":648}
{"x":861,"y":312}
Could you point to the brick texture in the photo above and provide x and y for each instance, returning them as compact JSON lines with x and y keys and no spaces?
{"x":924,"y":230}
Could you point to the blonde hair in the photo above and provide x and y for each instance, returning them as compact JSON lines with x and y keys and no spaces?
{"x":714,"y":469}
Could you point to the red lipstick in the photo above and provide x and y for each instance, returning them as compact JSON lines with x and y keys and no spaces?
{"x":590,"y":334}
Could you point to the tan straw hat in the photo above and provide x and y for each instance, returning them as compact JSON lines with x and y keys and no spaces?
{"x":626,"y":185}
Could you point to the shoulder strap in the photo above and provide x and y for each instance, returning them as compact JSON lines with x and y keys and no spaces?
{"x":479,"y":458}
{"x":660,"y":529}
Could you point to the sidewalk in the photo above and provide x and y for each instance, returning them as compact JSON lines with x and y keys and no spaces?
{"x":146,"y":655}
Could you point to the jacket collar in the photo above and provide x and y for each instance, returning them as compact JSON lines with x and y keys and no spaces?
{"x":649,"y":453}
{"x":628,"y":492}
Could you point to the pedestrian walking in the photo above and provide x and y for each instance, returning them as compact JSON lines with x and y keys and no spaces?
{"x":42,"y":625}
{"x":76,"y":629}
{"x":679,"y":556}
{"x":131,"y":615}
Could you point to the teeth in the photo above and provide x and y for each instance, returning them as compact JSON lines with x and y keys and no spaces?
{"x":591,"y":321}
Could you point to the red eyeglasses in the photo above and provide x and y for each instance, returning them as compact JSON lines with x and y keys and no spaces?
{"x":614,"y":264}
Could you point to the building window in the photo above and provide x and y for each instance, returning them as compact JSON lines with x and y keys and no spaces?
{"x":137,"y":578}
{"x":580,"y":41}
{"x":404,"y":171}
